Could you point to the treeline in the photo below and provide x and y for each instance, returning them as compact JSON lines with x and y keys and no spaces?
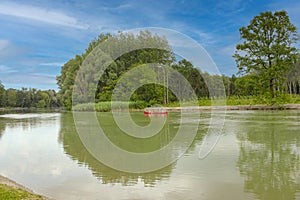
{"x":243,"y":85}
{"x":28,"y":98}
{"x":249,"y":84}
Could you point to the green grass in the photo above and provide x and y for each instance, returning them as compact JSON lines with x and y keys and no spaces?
{"x":230,"y":101}
{"x":106,"y":106}
{"x":8,"y":192}
{"x":251,"y":100}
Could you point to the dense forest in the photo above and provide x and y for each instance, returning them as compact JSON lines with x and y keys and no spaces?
{"x":268,"y":69}
{"x":28,"y":98}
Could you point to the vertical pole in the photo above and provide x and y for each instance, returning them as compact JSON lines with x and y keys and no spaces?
{"x":167,"y":100}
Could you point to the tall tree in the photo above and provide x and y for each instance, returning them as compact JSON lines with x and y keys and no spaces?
{"x":193,"y":75}
{"x":267,"y":50}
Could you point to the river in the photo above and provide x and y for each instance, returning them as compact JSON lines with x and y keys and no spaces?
{"x":257,"y":157}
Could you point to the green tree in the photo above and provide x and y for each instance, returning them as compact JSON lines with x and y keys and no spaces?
{"x":293,"y":81}
{"x":44,"y":99}
{"x":232,"y":85}
{"x":11,"y":97}
{"x":23,"y":98}
{"x":246,"y":85}
{"x":267,"y":50}
{"x":193,"y":75}
{"x":66,"y":80}
{"x":2,"y":95}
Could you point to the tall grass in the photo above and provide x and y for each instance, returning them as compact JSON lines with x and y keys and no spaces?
{"x":230,"y":101}
{"x":252,"y":100}
{"x":108,"y":106}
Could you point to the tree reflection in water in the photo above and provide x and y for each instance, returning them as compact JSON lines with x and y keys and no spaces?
{"x":2,"y":127}
{"x":269,"y":154}
{"x":74,"y":147}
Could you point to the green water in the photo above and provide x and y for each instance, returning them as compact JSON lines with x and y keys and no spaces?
{"x":257,"y":157}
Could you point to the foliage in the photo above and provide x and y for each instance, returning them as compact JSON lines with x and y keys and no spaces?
{"x":28,"y":98}
{"x":2,"y":95}
{"x":267,"y":51}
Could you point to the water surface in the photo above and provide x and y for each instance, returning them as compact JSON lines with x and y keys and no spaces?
{"x":257,"y":157}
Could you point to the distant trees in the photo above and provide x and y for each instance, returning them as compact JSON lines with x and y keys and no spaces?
{"x":28,"y":98}
{"x":267,"y":52}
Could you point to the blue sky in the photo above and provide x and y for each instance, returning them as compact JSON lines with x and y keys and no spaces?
{"x":38,"y":37}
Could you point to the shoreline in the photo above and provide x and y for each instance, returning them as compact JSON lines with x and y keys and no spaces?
{"x":174,"y":109}
{"x":239,"y":107}
{"x":16,"y":186}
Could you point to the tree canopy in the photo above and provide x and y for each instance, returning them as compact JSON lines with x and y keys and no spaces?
{"x":267,"y":51}
{"x":28,"y":98}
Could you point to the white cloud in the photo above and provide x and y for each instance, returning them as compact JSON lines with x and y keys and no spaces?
{"x":18,"y":80}
{"x":228,"y":50}
{"x":118,"y":8}
{"x":9,"y":50}
{"x":5,"y":69}
{"x":59,"y":64}
{"x":3,"y":44}
{"x":231,"y":7}
{"x":40,"y":14}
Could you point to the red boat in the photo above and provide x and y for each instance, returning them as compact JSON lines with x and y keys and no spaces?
{"x":155,"y":113}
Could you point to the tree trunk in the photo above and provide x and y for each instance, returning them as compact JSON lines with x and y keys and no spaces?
{"x":271,"y":87}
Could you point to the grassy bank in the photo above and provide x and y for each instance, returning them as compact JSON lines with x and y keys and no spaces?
{"x":9,"y":192}
{"x":253,"y":100}
{"x":12,"y":190}
{"x":106,"y":106}
{"x":246,"y":101}
{"x":12,"y":110}
{"x":230,"y":101}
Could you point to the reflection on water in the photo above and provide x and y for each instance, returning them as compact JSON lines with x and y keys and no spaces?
{"x":257,"y":157}
{"x":269,"y":154}
{"x":74,"y":147}
{"x":26,"y":121}
{"x":2,"y":127}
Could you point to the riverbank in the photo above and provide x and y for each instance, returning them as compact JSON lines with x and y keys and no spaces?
{"x":11,"y":190}
{"x":196,"y":108}
{"x":246,"y":107}
{"x":169,"y":108}
{"x":30,"y":110}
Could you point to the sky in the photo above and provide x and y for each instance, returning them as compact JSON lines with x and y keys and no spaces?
{"x":38,"y":36}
